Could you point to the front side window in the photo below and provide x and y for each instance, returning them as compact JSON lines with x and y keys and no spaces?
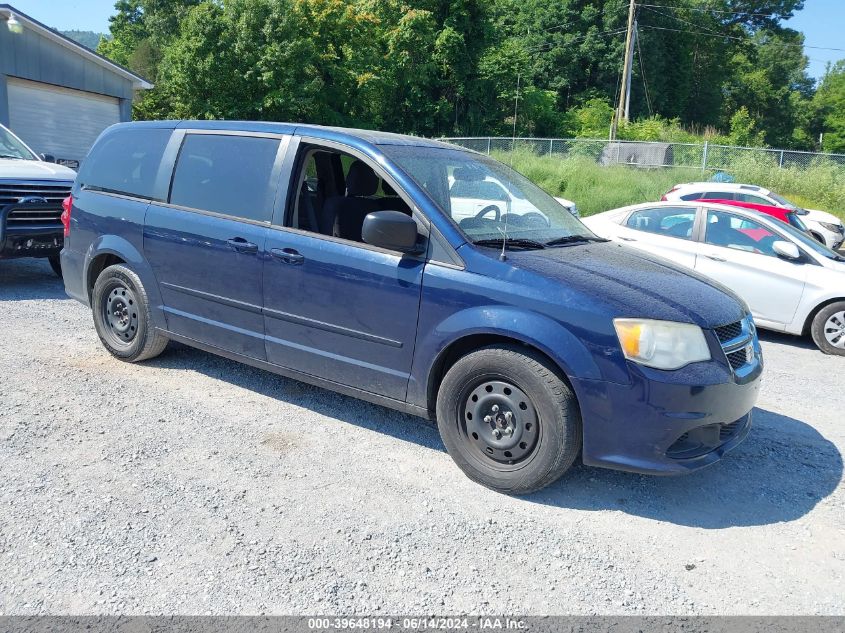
{"x":739,"y":233}
{"x":486,"y":198}
{"x":125,"y":161}
{"x":11,"y":147}
{"x":782,"y":202}
{"x":226,"y":174}
{"x":666,"y":221}
{"x":335,"y":192}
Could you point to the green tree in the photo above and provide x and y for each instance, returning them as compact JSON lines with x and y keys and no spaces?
{"x":829,"y":109}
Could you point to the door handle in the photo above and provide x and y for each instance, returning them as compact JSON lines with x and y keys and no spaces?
{"x":288,"y":255}
{"x":627,"y":239}
{"x":242,"y":246}
{"x":716,"y":258}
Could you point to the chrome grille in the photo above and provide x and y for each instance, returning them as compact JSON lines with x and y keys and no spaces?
{"x":737,"y":340}
{"x":737,"y":359}
{"x":52,"y":191}
{"x":37,"y":216}
{"x":729,"y":332}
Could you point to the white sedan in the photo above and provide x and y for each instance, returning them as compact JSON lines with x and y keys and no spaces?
{"x":471,"y":197}
{"x":824,"y":226}
{"x":790,"y":282}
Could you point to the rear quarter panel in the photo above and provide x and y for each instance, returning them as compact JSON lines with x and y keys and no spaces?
{"x":108,"y":224}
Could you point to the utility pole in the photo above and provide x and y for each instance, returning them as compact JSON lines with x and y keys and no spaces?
{"x":622,"y":108}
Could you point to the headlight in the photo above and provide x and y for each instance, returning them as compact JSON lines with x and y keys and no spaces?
{"x":661,"y":344}
{"x":835,"y":228}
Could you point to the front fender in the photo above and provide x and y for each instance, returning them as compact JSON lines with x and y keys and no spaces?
{"x":125,"y":250}
{"x":536,"y":330}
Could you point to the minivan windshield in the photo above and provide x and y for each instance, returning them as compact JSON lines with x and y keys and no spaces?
{"x":486,"y":198}
{"x":11,"y":147}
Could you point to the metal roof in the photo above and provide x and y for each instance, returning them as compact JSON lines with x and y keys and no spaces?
{"x":7,"y":11}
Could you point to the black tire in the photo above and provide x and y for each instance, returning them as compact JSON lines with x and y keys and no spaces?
{"x":539,"y":440}
{"x":56,"y":265}
{"x":122,"y":316}
{"x":817,"y":237}
{"x":828,"y":329}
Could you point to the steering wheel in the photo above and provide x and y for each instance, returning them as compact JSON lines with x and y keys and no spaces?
{"x":488,"y":209}
{"x":535,"y":218}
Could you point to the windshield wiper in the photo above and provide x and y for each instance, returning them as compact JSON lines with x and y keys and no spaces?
{"x":11,"y":156}
{"x":511,"y":242}
{"x":574,"y":239}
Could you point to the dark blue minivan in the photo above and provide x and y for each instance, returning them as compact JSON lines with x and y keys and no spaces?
{"x":416,"y":275}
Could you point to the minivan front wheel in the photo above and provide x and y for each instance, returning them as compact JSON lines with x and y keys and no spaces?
{"x":122,"y":315}
{"x":508,"y":419}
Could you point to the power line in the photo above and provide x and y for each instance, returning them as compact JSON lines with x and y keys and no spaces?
{"x":706,"y":10}
{"x":565,"y":24}
{"x":550,"y":44}
{"x":740,"y":39}
{"x":675,"y":17}
{"x":642,"y":73}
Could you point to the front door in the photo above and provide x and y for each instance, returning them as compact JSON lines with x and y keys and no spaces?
{"x":205,"y":245}
{"x":737,"y":252}
{"x":335,"y":307}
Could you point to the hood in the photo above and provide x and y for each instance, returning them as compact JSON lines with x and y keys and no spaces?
{"x":34,"y":169}
{"x":634,"y":284}
{"x":821,"y":216}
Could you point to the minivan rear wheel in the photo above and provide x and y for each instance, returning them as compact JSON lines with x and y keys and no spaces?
{"x":508,"y":419}
{"x":122,"y":315}
{"x":828,"y":329}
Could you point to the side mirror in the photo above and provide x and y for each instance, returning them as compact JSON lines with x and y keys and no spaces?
{"x":392,"y":230}
{"x":787,"y":250}
{"x":48,"y":158}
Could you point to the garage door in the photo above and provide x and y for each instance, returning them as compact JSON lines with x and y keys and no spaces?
{"x":59,"y":121}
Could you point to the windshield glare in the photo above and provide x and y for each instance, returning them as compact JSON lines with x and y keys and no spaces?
{"x":484,"y":197}
{"x":11,"y":147}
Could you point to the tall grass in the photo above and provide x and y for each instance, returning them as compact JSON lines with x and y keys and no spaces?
{"x":595,"y":188}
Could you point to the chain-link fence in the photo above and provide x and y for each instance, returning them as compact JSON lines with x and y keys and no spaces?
{"x":707,"y":157}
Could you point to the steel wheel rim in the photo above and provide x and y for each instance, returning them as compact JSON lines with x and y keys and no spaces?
{"x":499,"y":423}
{"x":834,"y":329}
{"x":120,"y":314}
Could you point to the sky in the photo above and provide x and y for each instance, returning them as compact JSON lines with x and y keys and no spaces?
{"x":821,"y":21}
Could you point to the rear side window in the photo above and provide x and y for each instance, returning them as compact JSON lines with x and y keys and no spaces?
{"x":667,"y":221}
{"x":747,"y":197}
{"x":126,"y":162}
{"x":232,"y":175}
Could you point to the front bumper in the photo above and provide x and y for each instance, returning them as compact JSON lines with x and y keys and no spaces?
{"x":668,"y":423}
{"x":832,"y":239}
{"x":30,"y":239}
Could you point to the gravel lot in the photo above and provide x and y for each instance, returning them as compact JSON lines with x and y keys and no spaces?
{"x":192,"y":485}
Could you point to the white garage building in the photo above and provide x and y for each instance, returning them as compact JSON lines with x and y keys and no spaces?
{"x":56,"y":94}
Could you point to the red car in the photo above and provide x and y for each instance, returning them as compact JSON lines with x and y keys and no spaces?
{"x":787,"y":216}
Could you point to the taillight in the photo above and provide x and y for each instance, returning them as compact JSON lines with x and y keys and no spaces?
{"x":664,"y":198}
{"x":67,"y":205}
